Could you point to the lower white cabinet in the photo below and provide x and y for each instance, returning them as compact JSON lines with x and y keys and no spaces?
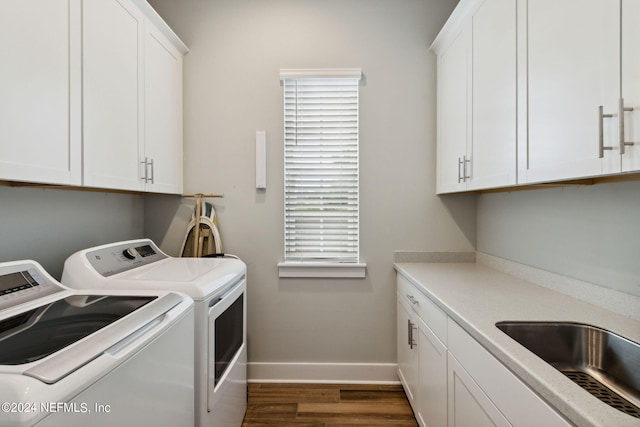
{"x":407,"y":351}
{"x":516,"y":402}
{"x":468,"y":405}
{"x":432,"y":378}
{"x":422,"y":356}
{"x":451,"y":380}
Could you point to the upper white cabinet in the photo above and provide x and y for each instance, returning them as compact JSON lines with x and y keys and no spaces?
{"x":572,"y":67}
{"x":493,"y":136}
{"x":132,"y":80}
{"x":113,"y":61}
{"x":631,"y":83}
{"x":40,"y":91}
{"x":531,"y":91}
{"x":162,"y":113}
{"x":454,"y":113}
{"x":477,"y":97}
{"x":91,"y":95}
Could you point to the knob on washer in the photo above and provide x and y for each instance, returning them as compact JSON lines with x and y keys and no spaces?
{"x":129,"y":253}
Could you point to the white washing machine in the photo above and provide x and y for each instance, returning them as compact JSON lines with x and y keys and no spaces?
{"x":217,"y":286}
{"x":98,"y":358}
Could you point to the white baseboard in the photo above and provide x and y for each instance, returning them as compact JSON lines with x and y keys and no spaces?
{"x":326,"y":373}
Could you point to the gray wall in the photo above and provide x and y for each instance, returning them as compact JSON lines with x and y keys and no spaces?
{"x":591,"y":233}
{"x":48,"y":225}
{"x":232,"y":89}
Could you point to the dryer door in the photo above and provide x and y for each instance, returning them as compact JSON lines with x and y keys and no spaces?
{"x":227,"y":335}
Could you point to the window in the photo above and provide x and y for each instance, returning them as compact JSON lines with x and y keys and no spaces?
{"x":321,"y":168}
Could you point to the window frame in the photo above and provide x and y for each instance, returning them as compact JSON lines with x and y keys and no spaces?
{"x":311,"y":264}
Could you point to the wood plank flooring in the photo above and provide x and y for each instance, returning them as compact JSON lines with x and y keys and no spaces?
{"x":327,"y":405}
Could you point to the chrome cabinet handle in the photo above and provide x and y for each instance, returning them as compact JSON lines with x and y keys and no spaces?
{"x":462,"y":169}
{"x":466,"y":176}
{"x":412,"y":299}
{"x":601,"y":117}
{"x":412,"y":342}
{"x":145,"y":176}
{"x":152,"y":171}
{"x":621,"y":111}
{"x":148,"y":165}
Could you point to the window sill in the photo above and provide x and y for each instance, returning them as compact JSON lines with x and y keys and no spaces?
{"x":322,"y":270}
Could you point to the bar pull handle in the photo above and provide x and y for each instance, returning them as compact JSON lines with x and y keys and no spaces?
{"x":601,"y":117}
{"x":409,"y":332}
{"x":621,"y":111}
{"x":145,"y":175}
{"x":465,"y":175}
{"x":412,"y":299}
{"x":412,"y":342}
{"x":152,"y":171}
{"x":462,"y":169}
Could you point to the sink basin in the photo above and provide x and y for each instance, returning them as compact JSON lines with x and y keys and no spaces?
{"x":605,"y":364}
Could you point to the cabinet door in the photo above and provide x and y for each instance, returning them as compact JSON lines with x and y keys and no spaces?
{"x":454,"y":75}
{"x":572,"y":66}
{"x":163,"y":113}
{"x":112,"y":94}
{"x":407,"y":351}
{"x":468,"y":405}
{"x":432,"y":366}
{"x":631,"y":82}
{"x":40,"y":87}
{"x":493,"y":143}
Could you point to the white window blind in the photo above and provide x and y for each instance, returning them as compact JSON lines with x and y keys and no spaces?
{"x":321,"y":165}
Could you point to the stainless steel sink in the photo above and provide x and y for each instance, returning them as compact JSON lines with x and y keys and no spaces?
{"x":605,"y":364}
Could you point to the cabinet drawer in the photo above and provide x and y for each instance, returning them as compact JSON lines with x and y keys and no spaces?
{"x":519,"y":404}
{"x":427,"y":310}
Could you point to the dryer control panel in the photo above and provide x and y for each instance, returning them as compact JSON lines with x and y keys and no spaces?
{"x":120,"y":257}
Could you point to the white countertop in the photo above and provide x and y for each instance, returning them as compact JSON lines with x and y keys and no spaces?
{"x":477,"y":297}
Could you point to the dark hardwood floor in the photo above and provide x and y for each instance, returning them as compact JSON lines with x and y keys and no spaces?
{"x":327,"y":405}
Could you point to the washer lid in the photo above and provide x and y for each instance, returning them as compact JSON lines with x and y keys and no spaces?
{"x":35,"y":334}
{"x":101,"y":332}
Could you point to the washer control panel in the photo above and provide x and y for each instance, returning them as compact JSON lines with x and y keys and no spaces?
{"x":20,"y":283}
{"x":120,"y":257}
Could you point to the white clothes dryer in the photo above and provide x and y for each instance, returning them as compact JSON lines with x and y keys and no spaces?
{"x":98,"y":358}
{"x":217,"y":286}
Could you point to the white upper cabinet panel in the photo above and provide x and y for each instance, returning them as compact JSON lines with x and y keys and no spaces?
{"x":631,"y":82}
{"x":572,"y":67}
{"x":493,"y":141}
{"x":112,"y":94}
{"x":163,"y":112}
{"x":454,"y":91}
{"x":477,"y":97}
{"x":132,"y":98}
{"x":40,"y":94}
